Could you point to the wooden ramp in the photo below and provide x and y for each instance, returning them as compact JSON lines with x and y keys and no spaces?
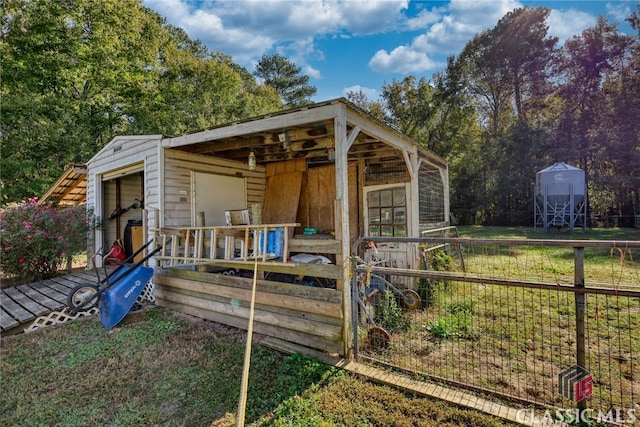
{"x":22,"y":305}
{"x":408,"y":385}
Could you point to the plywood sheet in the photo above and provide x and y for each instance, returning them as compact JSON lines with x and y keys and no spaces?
{"x":317,"y":203}
{"x":279,"y":168}
{"x":319,"y":198}
{"x":282,"y":198}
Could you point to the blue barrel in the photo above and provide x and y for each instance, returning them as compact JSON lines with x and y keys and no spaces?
{"x":275,"y":242}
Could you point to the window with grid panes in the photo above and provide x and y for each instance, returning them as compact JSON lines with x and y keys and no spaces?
{"x":387,"y":211}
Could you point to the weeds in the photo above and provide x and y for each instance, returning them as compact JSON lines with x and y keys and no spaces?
{"x":456,"y":323}
{"x":436,"y":260}
{"x":389,"y":313}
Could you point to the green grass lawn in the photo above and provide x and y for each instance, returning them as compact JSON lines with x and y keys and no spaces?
{"x":161,"y":368}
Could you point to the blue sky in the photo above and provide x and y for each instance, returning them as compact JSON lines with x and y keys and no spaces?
{"x":361,"y":44}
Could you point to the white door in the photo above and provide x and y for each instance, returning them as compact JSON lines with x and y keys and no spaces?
{"x":386,"y":214}
{"x":214,"y":194}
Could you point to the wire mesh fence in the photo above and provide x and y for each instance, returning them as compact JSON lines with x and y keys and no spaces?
{"x":511,"y":318}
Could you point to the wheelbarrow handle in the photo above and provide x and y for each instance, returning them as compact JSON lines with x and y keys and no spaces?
{"x":132,"y":256}
{"x":131,"y":268}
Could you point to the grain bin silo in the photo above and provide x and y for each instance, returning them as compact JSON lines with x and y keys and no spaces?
{"x":560,"y":197}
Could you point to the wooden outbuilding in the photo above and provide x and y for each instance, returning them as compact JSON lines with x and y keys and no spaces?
{"x":286,"y":193}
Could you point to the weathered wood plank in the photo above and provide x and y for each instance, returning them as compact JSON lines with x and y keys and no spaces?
{"x":58,"y":287}
{"x":281,"y":198}
{"x":321,"y":318}
{"x":23,"y":295}
{"x":66,"y":282}
{"x":14,"y":309}
{"x":276,"y":300}
{"x":43,"y":297}
{"x":57,"y":299}
{"x":327,"y":295}
{"x":331,"y":332}
{"x":84,"y":276}
{"x":6,"y":320}
{"x":258,"y":327}
{"x":315,"y":246}
{"x":296,"y":348}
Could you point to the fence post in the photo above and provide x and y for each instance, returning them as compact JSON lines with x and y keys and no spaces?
{"x":580,"y":302}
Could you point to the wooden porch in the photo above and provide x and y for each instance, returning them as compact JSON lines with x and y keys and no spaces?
{"x":21,"y":305}
{"x":241,"y":246}
{"x":291,"y":302}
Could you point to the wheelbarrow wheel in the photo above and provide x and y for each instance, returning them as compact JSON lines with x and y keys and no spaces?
{"x":378,"y":337}
{"x":83,"y":298}
{"x":410,"y":299}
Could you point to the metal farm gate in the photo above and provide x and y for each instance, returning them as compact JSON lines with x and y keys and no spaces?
{"x":543,"y":323}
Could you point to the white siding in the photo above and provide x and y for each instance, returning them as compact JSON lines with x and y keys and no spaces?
{"x":172,"y":207}
{"x":120,"y":153}
{"x":177,"y":183}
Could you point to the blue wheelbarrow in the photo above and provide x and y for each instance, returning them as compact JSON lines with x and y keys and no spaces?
{"x":116,"y":293}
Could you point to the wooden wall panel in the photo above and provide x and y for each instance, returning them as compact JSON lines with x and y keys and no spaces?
{"x":317,"y":200}
{"x":279,"y":168}
{"x":281,"y":198}
{"x":316,"y":207}
{"x":296,"y":313}
{"x":177,"y":183}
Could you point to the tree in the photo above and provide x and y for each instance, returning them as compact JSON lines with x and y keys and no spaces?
{"x":507,"y":67}
{"x":506,"y":72}
{"x":599,"y":128}
{"x":374,"y":108}
{"x":284,"y":76}
{"x":76,"y":73}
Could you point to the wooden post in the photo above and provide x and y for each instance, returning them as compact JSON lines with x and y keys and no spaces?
{"x":342,"y":220}
{"x":247,"y":353}
{"x":580,"y":302}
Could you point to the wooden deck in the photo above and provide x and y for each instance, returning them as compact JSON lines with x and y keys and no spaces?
{"x":22,"y":305}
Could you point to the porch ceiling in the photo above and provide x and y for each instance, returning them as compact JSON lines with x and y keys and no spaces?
{"x":310,"y":141}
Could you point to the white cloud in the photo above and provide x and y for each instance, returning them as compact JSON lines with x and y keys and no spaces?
{"x":464,"y":20}
{"x":249,"y":28}
{"x":402,"y":59}
{"x":447,"y":30}
{"x":312,"y":72}
{"x":565,"y":24}
{"x":483,"y":12}
{"x":424,"y":18}
{"x":619,"y":11}
{"x":371,"y":16}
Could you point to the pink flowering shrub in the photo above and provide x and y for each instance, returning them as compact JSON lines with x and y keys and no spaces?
{"x":36,"y":241}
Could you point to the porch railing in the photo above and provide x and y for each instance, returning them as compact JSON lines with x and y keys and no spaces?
{"x":193,"y":245}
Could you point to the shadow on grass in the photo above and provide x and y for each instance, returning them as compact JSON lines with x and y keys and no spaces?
{"x":160,"y":368}
{"x":156,"y":368}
